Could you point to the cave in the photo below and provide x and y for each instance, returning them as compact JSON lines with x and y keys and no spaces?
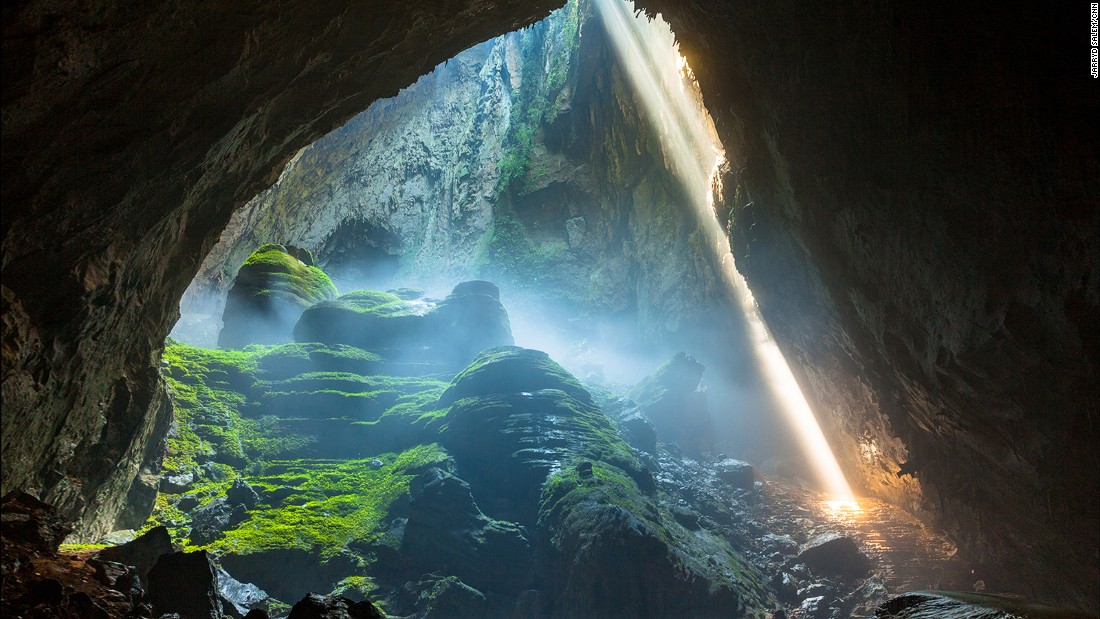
{"x":908,"y":190}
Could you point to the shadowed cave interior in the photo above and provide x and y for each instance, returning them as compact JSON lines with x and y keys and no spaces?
{"x":289,"y":311}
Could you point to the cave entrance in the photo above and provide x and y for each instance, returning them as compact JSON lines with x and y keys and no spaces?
{"x":556,"y":188}
{"x":543,"y":162}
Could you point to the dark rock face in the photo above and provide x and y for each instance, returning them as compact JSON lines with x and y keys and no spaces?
{"x":185,"y":583}
{"x":672,"y":398}
{"x":455,"y":329}
{"x":447,"y":531}
{"x":315,"y":606}
{"x":33,"y":522}
{"x":930,"y":310}
{"x":272,"y":289}
{"x":142,"y":553}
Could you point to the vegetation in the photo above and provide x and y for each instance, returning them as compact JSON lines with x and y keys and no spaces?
{"x":276,"y":273}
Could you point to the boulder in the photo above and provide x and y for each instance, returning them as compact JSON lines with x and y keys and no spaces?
{"x":315,"y":606}
{"x":185,"y":583}
{"x":674,"y":400}
{"x":239,"y":598}
{"x":241,"y":493}
{"x":736,"y":473}
{"x":31,"y":523}
{"x":833,"y":555}
{"x":468,"y":321}
{"x":142,"y":553}
{"x":210,"y":521}
{"x":638,"y":431}
{"x":271,"y":290}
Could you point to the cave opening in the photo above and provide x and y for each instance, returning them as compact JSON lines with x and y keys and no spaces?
{"x":340,"y":409}
{"x":572,"y":164}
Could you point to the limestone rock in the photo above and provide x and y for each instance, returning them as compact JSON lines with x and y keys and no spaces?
{"x":272,"y":289}
{"x":210,"y":521}
{"x":32,"y":522}
{"x":736,"y":473}
{"x":449,"y":598}
{"x":446,"y":531}
{"x":239,"y":598}
{"x":833,"y":555}
{"x":510,"y":370}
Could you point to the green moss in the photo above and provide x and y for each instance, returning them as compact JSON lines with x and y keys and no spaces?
{"x":289,"y":360}
{"x":344,"y":501}
{"x":372,"y":302}
{"x":272,"y":271}
{"x":512,"y":369}
{"x":79,"y":548}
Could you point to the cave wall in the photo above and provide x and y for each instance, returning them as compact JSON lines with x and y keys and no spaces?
{"x":913,"y":198}
{"x":130,"y":134}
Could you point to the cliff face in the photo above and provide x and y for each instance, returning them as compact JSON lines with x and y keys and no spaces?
{"x":525,"y":159}
{"x":913,"y":203}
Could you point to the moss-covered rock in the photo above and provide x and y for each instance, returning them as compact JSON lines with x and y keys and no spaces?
{"x":454,"y":330}
{"x":272,"y":289}
{"x":608,"y":551}
{"x":512,"y":369}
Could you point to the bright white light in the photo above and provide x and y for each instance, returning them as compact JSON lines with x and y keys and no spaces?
{"x":666,"y":89}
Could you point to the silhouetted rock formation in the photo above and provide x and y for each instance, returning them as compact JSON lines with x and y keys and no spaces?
{"x":672,"y":398}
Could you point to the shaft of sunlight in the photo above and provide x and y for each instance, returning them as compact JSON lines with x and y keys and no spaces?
{"x":666,"y":89}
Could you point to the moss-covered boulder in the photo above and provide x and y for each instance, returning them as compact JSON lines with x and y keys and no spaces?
{"x":537,"y":449}
{"x":512,"y":369}
{"x":272,"y":289}
{"x":450,"y":332}
{"x":676,"y":403}
{"x":515,"y":417}
{"x":608,"y":550}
